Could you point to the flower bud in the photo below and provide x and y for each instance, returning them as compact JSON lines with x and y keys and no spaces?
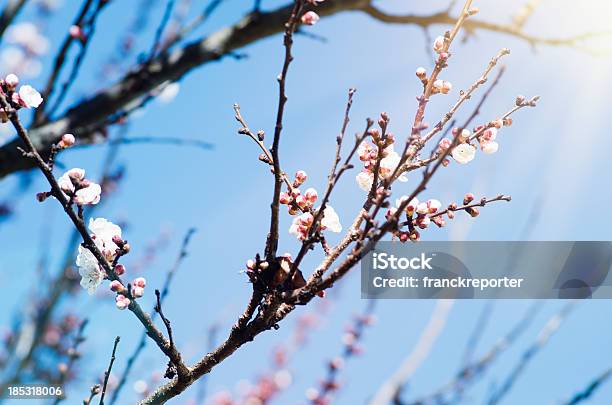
{"x":300,"y":176}
{"x":250,"y":264}
{"x":137,"y":292}
{"x":116,"y":286}
{"x":122,"y":302}
{"x":67,"y":141}
{"x":469,"y":197}
{"x":311,"y":195}
{"x":421,"y":73}
{"x":284,"y":198}
{"x":11,"y":81}
{"x":438,"y":45}
{"x":310,"y":18}
{"x":119,"y":269}
{"x":139,"y":282}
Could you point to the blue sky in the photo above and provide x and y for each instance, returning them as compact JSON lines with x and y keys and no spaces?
{"x":552,"y":160}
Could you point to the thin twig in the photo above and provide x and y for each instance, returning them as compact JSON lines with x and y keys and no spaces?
{"x":108,"y":371}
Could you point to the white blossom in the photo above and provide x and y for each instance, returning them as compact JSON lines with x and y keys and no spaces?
{"x":365,"y":179}
{"x":65,"y":181}
{"x":330,"y":220}
{"x":29,"y":96}
{"x":89,"y":270}
{"x":89,"y":195}
{"x":490,"y":147}
{"x":390,"y":162}
{"x":464,"y":153}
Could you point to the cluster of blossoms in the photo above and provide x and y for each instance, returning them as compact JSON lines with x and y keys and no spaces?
{"x":422,"y":214}
{"x":25,"y":97}
{"x":26,"y":46}
{"x":369,"y":154}
{"x":107,"y":238}
{"x":486,"y":136}
{"x":297,"y":202}
{"x":79,"y":190}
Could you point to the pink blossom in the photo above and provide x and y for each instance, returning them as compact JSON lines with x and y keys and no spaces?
{"x":310,"y":18}
{"x":433,"y":206}
{"x":284,"y":198}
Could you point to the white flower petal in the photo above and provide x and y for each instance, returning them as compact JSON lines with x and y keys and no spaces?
{"x":330,"y":220}
{"x":464,"y":153}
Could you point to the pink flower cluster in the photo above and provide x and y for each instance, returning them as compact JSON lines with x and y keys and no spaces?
{"x":77,"y":188}
{"x":25,"y":97}
{"x":369,"y":153}
{"x":297,"y":202}
{"x":122,"y":300}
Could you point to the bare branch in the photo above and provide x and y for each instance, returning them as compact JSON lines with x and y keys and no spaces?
{"x":108,"y":371}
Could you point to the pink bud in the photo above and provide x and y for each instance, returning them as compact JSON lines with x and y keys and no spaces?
{"x":119,"y":269}
{"x":311,"y":195}
{"x":250,"y":264}
{"x":11,"y":81}
{"x":498,"y":123}
{"x":295,"y":192}
{"x":301,"y":201}
{"x":139,"y":282}
{"x":301,"y":176}
{"x":122,"y":302}
{"x":438,"y":45}
{"x":42,"y":196}
{"x":137,"y":292}
{"x":284,"y":198}
{"x":421,"y":72}
{"x":67,"y":141}
{"x":310,"y":18}
{"x":445,"y":143}
{"x":76,"y":32}
{"x":446,"y":87}
{"x":116,"y":286}
{"x":469,"y":197}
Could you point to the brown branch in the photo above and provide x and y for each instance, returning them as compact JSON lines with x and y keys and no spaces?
{"x":141,"y":80}
{"x":79,"y":224}
{"x":108,"y":371}
{"x":143,"y":339}
{"x":290,"y":26}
